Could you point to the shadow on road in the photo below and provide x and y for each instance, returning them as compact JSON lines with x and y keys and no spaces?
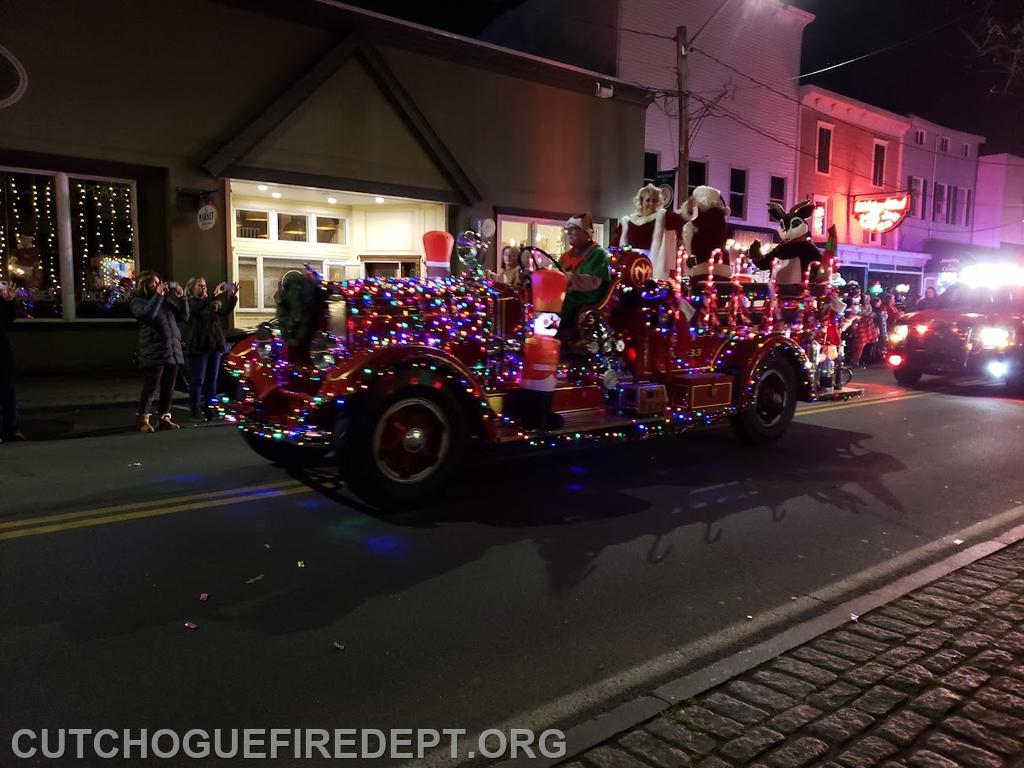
{"x":289,"y":565}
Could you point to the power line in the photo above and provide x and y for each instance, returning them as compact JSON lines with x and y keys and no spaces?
{"x":834,"y":118}
{"x":911,"y":39}
{"x":723,"y":112}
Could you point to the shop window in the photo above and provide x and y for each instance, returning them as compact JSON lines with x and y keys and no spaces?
{"x":777,"y":190}
{"x":293,"y":227}
{"x":28,"y":242}
{"x":273,"y":271}
{"x":698,"y":176}
{"x":738,"y":193}
{"x":248,"y":297}
{"x":546,"y":234}
{"x":253,"y":225}
{"x":340,"y":272}
{"x":331,"y":230}
{"x":103,"y":247}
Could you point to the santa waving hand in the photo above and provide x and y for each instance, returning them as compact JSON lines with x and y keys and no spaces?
{"x":651,"y":229}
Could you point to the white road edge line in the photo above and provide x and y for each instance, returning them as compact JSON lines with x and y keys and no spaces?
{"x":648,"y":701}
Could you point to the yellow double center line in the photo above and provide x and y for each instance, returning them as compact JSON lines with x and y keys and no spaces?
{"x":35,"y":526}
{"x":860,"y":402}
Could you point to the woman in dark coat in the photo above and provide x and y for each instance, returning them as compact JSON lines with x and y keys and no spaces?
{"x":206,"y":341}
{"x":158,"y":307}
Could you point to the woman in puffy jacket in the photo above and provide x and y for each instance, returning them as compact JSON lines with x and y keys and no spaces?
{"x":158,"y":307}
{"x":206,"y":341}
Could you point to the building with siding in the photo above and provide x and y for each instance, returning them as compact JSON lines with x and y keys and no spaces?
{"x":318,"y":133}
{"x":742,"y":135}
{"x":999,"y":209}
{"x":853,"y":151}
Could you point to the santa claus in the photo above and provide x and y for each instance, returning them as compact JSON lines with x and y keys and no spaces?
{"x":651,"y":229}
{"x":705,"y":234}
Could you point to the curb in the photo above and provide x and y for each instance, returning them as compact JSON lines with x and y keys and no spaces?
{"x":601,"y":728}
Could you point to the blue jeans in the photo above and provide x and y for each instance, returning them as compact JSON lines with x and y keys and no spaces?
{"x":203,"y":368}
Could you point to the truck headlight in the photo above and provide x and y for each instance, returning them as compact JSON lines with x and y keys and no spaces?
{"x":899,"y":333}
{"x":994,"y":338}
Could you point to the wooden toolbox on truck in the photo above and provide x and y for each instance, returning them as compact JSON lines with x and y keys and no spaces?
{"x":699,"y":390}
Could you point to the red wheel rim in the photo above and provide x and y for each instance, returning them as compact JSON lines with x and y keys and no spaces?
{"x":411,"y":440}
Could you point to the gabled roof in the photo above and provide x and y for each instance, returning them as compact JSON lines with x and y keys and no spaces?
{"x":386,"y":30}
{"x":228,"y":160}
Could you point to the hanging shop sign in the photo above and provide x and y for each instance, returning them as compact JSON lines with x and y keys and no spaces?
{"x":206,"y":216}
{"x":882,"y":213}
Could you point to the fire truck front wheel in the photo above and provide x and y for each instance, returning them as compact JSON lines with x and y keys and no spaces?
{"x":769,"y":411}
{"x":404,"y":447}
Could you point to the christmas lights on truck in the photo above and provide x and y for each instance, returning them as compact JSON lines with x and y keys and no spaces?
{"x":398,"y":377}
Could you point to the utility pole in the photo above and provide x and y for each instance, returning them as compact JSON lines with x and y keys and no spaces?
{"x":683,"y":76}
{"x":683,"y":84}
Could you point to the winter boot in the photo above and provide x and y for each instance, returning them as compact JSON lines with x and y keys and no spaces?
{"x":166,"y":423}
{"x":142,"y":423}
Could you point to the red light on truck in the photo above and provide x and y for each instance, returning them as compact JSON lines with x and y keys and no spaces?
{"x":895,"y":360}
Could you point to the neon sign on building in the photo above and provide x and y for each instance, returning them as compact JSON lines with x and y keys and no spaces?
{"x":881,"y":214}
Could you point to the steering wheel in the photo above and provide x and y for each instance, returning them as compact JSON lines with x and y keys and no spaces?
{"x":530,"y":252}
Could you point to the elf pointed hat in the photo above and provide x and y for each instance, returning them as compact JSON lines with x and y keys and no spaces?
{"x":584,"y":221}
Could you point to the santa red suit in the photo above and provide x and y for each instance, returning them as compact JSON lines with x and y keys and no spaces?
{"x":656,"y":234}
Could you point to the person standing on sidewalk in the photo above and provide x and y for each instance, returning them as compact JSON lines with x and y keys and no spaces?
{"x":206,"y":341}
{"x":9,"y":430}
{"x":158,"y":307}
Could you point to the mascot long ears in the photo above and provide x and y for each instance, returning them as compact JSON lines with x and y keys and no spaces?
{"x":794,"y":223}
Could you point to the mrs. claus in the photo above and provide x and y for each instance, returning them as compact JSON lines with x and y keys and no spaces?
{"x":651,"y":229}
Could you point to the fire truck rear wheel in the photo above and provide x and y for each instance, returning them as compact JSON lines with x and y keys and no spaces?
{"x":404,"y":447}
{"x":772,"y":404}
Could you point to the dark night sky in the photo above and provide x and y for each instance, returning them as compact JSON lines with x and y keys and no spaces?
{"x":938,"y":76}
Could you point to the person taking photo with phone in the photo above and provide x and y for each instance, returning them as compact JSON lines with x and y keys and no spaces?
{"x":10,"y":432}
{"x":206,"y":341}
{"x":158,"y":307}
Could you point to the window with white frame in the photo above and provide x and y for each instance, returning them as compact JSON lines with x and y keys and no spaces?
{"x":98,"y":279}
{"x":944,"y":144}
{"x":824,"y":149}
{"x":546,"y":234}
{"x":738,"y":193}
{"x":698,"y":175}
{"x":878,"y":164}
{"x":777,"y":190}
{"x":914,"y":184}
{"x":290,"y":226}
{"x":951,"y":208}
{"x":969,"y":208}
{"x":939,"y":202}
{"x":819,"y":217}
{"x":965,"y":150}
{"x":919,"y":137}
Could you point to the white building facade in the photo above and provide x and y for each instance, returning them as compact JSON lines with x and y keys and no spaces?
{"x":742,"y":135}
{"x":940,"y":167}
{"x":999,"y":211}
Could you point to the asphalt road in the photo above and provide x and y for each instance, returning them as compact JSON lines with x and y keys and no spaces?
{"x":542,"y":590}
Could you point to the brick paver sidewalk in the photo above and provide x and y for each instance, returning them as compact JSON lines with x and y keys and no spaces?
{"x":932,"y":680}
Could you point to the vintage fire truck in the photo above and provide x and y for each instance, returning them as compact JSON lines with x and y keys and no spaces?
{"x":398,"y":377}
